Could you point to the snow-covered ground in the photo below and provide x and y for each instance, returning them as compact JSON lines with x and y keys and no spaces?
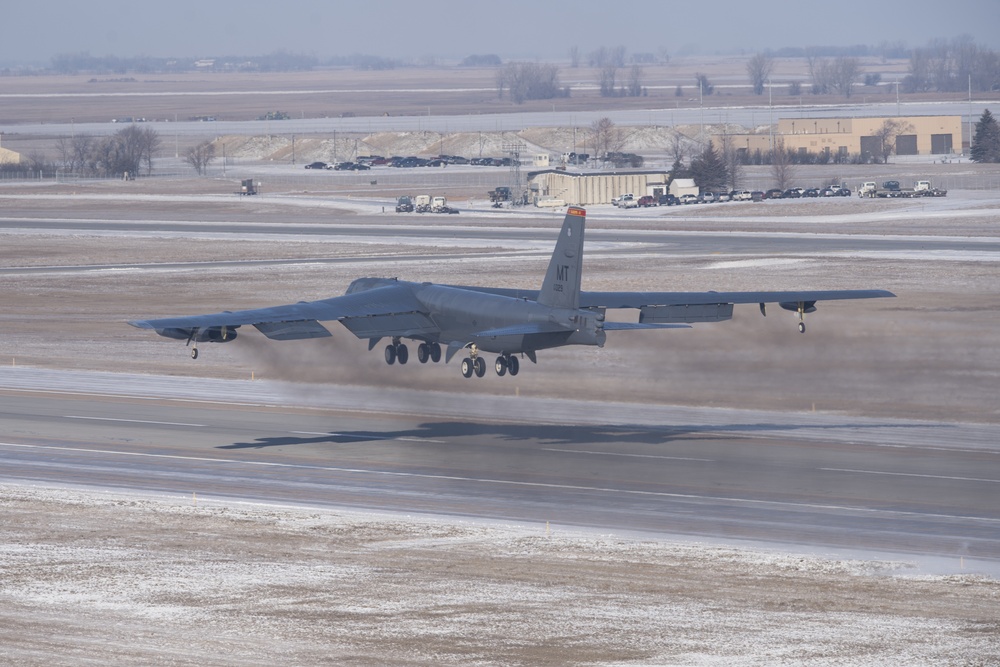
{"x":122,"y":579}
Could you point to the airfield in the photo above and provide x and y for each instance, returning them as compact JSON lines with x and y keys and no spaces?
{"x":734,"y":493}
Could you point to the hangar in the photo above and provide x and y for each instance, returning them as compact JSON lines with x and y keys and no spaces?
{"x":583,"y":189}
{"x":919,"y":135}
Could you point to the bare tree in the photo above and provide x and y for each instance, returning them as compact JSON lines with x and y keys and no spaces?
{"x":846,"y":72}
{"x":574,"y":56}
{"x":500,"y":76}
{"x":759,"y":69}
{"x":887,"y":135}
{"x":677,"y":147}
{"x":603,"y":57}
{"x":782,"y":167}
{"x":634,"y":88}
{"x":607,"y":138}
{"x":200,"y":156}
{"x":606,"y":78}
{"x":701,"y":80}
{"x":529,"y":81}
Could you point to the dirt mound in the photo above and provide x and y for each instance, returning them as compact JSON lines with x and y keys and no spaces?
{"x":646,"y":141}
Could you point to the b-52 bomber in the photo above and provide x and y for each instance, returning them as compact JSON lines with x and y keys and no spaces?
{"x":511,"y":323}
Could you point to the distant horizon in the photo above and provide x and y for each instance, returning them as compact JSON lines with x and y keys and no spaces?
{"x":450,"y":30}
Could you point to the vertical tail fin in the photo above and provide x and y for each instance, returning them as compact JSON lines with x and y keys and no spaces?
{"x":561,"y":288}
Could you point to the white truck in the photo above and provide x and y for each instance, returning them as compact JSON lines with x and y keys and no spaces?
{"x":868,"y":189}
{"x":422,"y":203}
{"x":440,"y":205}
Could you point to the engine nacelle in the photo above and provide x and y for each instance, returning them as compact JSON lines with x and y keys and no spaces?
{"x":217,"y":335}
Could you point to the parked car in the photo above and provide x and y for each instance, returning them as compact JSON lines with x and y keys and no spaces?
{"x":741,"y":195}
{"x":617,"y":201}
{"x":810,"y":192}
{"x":648,"y":200}
{"x":343,"y":166}
{"x":723,"y":196}
{"x":707,"y":197}
{"x":773,"y":193}
{"x":316,"y":165}
{"x":688,"y":199}
{"x":357,"y":166}
{"x":628,"y":201}
{"x":792,"y":193}
{"x":757,"y":195}
{"x":404,"y":205}
{"x":669,"y":200}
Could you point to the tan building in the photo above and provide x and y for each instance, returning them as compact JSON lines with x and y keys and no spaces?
{"x":594,"y":188}
{"x":921,"y":135}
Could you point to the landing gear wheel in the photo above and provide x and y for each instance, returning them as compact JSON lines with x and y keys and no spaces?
{"x":390,"y":354}
{"x":194,"y":353}
{"x":501,"y":366}
{"x":513,"y":365}
{"x":423,"y":353}
{"x":802,"y":327}
{"x":480,"y":364}
{"x":402,"y":354}
{"x":435,"y":350}
{"x":467,"y":367}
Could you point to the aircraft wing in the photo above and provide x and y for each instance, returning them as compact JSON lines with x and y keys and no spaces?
{"x":652,"y":299}
{"x":391,"y":310}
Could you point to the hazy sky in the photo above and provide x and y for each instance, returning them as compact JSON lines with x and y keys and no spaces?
{"x":33,"y":32}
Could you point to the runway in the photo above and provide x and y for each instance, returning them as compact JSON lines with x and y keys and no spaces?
{"x":806,"y":479}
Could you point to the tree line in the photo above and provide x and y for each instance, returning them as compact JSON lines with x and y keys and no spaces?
{"x":127,"y":153}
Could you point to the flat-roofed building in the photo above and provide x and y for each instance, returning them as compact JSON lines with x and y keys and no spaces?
{"x":918,"y":135}
{"x":583,"y":189}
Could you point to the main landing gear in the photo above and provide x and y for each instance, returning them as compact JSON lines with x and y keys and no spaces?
{"x":475,"y":364}
{"x":398,"y":352}
{"x":507,"y":364}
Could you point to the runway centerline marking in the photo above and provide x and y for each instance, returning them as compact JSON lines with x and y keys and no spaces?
{"x":634,"y":456}
{"x":913,"y":474}
{"x":509,"y":482}
{"x":132,"y":421}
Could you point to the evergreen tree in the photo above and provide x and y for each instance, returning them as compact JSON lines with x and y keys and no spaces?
{"x":986,"y":143}
{"x":709,"y":170}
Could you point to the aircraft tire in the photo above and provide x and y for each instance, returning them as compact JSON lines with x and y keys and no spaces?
{"x":802,"y":327}
{"x":423,"y":353}
{"x":480,"y":365}
{"x":501,"y":366}
{"x":435,"y":350}
{"x":194,"y":353}
{"x":390,"y":354}
{"x":513,"y":365}
{"x":467,"y":367}
{"x":402,"y":354}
